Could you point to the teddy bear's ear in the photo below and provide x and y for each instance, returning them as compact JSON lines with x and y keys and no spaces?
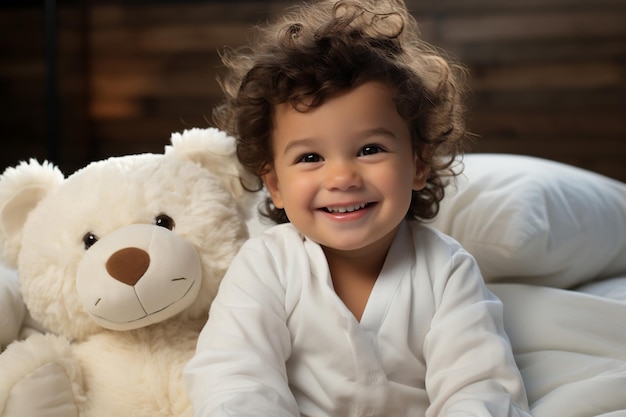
{"x":21,"y":189}
{"x":215,"y":150}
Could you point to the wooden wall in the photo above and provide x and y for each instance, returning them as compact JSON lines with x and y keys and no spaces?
{"x":548,"y":76}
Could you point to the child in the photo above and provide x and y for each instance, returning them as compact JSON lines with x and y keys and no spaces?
{"x":351,"y":306}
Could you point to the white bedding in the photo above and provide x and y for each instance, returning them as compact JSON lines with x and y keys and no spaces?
{"x":551,"y":243}
{"x":570,"y":347}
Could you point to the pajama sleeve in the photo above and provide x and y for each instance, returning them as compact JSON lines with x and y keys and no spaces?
{"x":239,"y":366}
{"x":470,"y":365}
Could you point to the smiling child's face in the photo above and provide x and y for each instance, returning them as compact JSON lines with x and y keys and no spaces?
{"x":344,"y":171}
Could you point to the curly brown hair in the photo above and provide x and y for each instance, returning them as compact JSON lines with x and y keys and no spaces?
{"x":321,"y":49}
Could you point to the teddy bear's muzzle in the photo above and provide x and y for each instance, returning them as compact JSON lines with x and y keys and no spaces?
{"x":139,"y":275}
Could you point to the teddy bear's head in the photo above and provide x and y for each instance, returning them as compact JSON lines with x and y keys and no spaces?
{"x":128,"y":241}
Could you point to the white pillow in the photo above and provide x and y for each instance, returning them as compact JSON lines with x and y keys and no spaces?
{"x":537,"y":221}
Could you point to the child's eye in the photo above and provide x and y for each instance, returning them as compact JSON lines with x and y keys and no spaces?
{"x":309,"y":157}
{"x":370,"y":150}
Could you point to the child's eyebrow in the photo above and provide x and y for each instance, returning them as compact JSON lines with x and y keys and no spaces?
{"x":378,"y":131}
{"x":304,"y":142}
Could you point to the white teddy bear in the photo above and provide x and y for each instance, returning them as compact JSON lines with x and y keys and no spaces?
{"x":119,"y":262}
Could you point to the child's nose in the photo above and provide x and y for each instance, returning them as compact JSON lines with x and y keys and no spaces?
{"x":342,"y":175}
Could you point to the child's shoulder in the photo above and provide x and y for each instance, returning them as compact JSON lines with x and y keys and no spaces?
{"x":278,"y":232}
{"x":426,"y":236}
{"x":283,"y":250}
{"x":276,"y":238}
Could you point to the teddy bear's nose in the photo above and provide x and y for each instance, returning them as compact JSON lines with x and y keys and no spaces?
{"x":128,"y":265}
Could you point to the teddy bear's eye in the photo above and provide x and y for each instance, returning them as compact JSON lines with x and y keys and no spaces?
{"x":89,"y":239}
{"x":164,"y":220}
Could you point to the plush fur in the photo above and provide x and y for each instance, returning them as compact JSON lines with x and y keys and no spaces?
{"x":119,"y":262}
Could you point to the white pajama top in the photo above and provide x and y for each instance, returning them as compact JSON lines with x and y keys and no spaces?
{"x":279,"y":341}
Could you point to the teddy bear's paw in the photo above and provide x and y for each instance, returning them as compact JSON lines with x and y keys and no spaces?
{"x":40,"y":378}
{"x":12,"y":308}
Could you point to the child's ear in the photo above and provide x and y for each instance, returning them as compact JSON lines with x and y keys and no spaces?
{"x":270,"y":179}
{"x":421,"y":175}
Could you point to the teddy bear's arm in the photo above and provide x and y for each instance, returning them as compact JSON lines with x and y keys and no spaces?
{"x":12,"y":308}
{"x":40,"y":378}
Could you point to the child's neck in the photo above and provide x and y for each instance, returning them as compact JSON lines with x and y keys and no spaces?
{"x":355,"y":273}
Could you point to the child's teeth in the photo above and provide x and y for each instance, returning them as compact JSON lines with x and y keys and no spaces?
{"x":347,"y":209}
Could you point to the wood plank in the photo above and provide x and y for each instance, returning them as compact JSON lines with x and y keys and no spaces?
{"x":559,"y":123}
{"x":178,"y":37}
{"x":190,"y":84}
{"x":452,"y":7}
{"x":549,"y":100}
{"x":186,"y":109}
{"x":562,"y":75}
{"x":557,"y":146}
{"x":202,"y":13}
{"x":532,"y":26}
{"x":572,"y":51}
